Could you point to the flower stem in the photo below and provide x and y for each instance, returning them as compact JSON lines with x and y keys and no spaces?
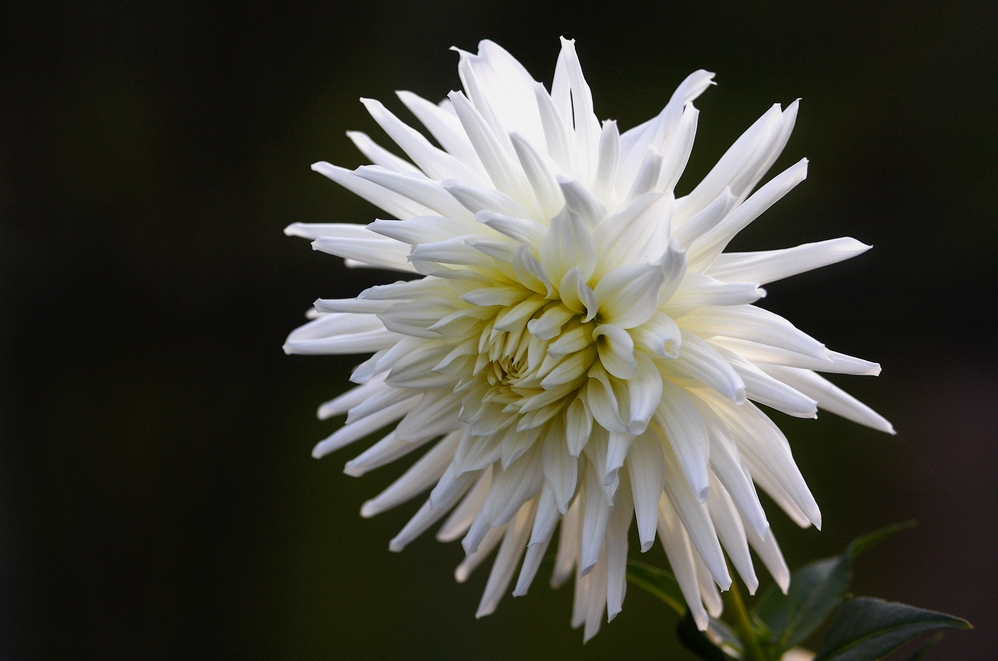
{"x":743,"y":623}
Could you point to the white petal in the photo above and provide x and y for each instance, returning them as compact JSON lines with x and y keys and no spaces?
{"x":587,"y":127}
{"x":502,"y":166}
{"x":595,"y":598}
{"x":576,"y":294}
{"x":420,"y":476}
{"x":569,"y":543}
{"x":769,"y":552}
{"x":738,"y":165}
{"x":479,"y":198}
{"x":578,"y":425}
{"x":772,"y":265}
{"x":659,"y":335}
{"x":567,"y":244}
{"x":679,"y":551}
{"x":595,"y":519}
{"x":833,"y":362}
{"x":513,"y":487}
{"x":644,"y":392}
{"x":340,"y":333}
{"x":647,"y":176}
{"x":698,"y":361}
{"x":379,"y":155}
{"x":509,"y":89}
{"x":540,"y":537}
{"x":540,"y":172}
{"x":726,"y":465}
{"x":616,"y":350}
{"x":427,"y":193}
{"x":766,"y":454}
{"x":711,"y":243}
{"x":512,"y":547}
{"x":747,"y":322}
{"x":581,"y":202}
{"x":686,"y":434}
{"x":830,"y":397}
{"x":556,"y":127}
{"x":635,"y":234}
{"x":602,"y":400}
{"x":608,"y":153}
{"x":446,"y":128}
{"x":679,"y":151}
{"x":490,"y":539}
{"x":705,"y":219}
{"x":616,"y":549}
{"x":397,"y":205}
{"x":523,"y":230}
{"x":354,"y":305}
{"x":419,"y":230}
{"x":731,"y":532}
{"x":435,"y":415}
{"x":762,"y":388}
{"x":343,"y":403}
{"x":462,"y":516}
{"x":426,"y":516}
{"x":628,"y":296}
{"x":380,"y":454}
{"x":693,"y":513}
{"x":373,"y":251}
{"x":561,"y":471}
{"x":646,"y":469}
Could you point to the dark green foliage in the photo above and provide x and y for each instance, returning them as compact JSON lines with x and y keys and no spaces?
{"x":864,"y":628}
{"x":816,"y":589}
{"x":657,"y":581}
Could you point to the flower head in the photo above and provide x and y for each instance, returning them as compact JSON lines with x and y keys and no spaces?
{"x":572,"y":341}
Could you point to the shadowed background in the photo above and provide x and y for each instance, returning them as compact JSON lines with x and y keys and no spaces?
{"x":157,"y":497}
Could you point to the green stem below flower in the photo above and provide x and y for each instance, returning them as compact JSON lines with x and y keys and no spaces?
{"x":743,"y":623}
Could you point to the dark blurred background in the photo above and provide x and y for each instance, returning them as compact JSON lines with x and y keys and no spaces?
{"x":157,"y":497}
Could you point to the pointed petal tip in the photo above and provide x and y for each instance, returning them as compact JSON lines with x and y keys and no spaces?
{"x":395,"y":546}
{"x":485,"y":612}
{"x":287,"y":348}
{"x":585,"y":570}
{"x":352,"y":469}
{"x":646,"y":546}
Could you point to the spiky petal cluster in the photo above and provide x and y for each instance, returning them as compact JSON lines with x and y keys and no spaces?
{"x":579,"y":348}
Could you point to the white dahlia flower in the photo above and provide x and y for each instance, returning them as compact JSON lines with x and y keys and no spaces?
{"x":571,"y":340}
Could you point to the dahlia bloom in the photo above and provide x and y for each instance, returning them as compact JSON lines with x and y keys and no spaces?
{"x":571,"y":340}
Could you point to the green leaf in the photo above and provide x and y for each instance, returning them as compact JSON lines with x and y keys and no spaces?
{"x":657,"y":581}
{"x":816,"y":589}
{"x":919,"y":653}
{"x":724,"y":637}
{"x":862,"y":544}
{"x":697,"y":641}
{"x":867,"y":628}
